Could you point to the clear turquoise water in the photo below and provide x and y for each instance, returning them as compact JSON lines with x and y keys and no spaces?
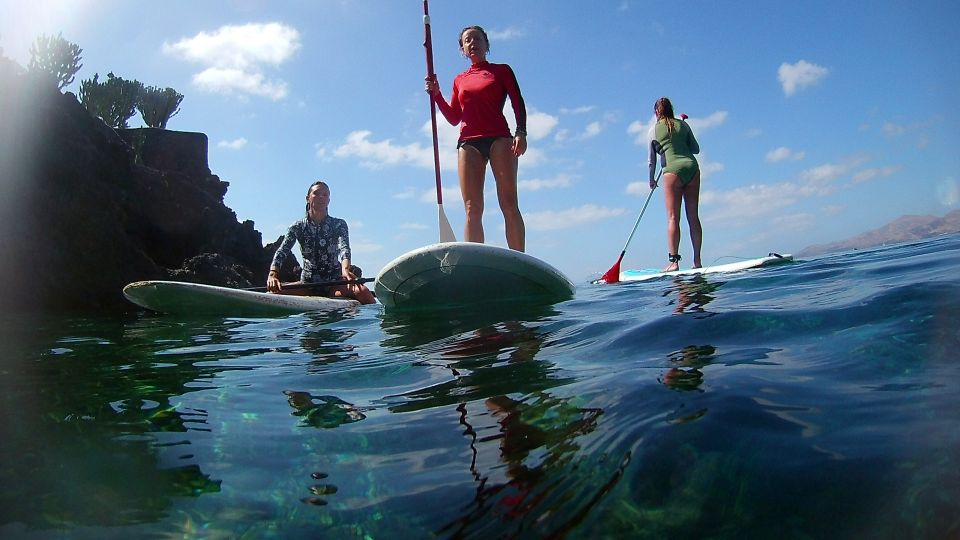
{"x":819,"y":399}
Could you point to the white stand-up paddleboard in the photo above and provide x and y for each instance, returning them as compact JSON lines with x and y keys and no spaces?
{"x":769,"y":260}
{"x":182,"y":298}
{"x":456,"y":273}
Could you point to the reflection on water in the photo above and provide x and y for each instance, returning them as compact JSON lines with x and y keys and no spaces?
{"x":523,"y":438}
{"x":687,"y":363}
{"x":485,"y":354}
{"x":408,"y":330}
{"x":99,"y":437}
{"x":536,"y":441}
{"x":693,"y":293}
{"x":322,"y":411}
{"x":760,"y":405}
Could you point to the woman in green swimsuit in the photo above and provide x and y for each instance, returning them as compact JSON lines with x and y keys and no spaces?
{"x":672,"y":138}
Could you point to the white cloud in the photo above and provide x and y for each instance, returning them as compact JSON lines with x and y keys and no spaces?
{"x":592,"y":130}
{"x":708,"y":168}
{"x":564,"y":219}
{"x":749,"y":201}
{"x":577,"y":110}
{"x":539,"y":125}
{"x":506,"y":34}
{"x":231,"y":80}
{"x":532,"y":157}
{"x":795,"y":77}
{"x":235,"y":144}
{"x":794,"y":222}
{"x":449,"y":194}
{"x":414,"y":226}
{"x":364,"y":247}
{"x":407,"y":193}
{"x":819,"y":180}
{"x":377,"y":154}
{"x":641,"y":130}
{"x":783,"y":153}
{"x":893,"y":130}
{"x":833,"y":209}
{"x":698,"y":124}
{"x":234,"y":57}
{"x":536,"y":184}
{"x":768,"y":199}
{"x":870,"y":174}
{"x":638,"y":188}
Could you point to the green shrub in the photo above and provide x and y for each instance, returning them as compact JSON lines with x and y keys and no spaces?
{"x":114,"y":100}
{"x":158,"y":106}
{"x":56,"y":57}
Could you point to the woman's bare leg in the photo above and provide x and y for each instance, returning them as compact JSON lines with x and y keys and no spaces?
{"x":504,"y":166}
{"x":355,"y":291}
{"x":672,"y":196}
{"x":472,"y":168}
{"x":691,"y":205}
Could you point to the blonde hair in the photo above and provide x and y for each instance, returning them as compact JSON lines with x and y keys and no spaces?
{"x":664,"y":109}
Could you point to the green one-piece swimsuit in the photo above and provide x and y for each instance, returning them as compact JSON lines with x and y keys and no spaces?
{"x":678,"y":149}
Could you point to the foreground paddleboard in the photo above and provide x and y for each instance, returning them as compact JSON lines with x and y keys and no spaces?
{"x":456,"y":273}
{"x":182,"y":298}
{"x":769,"y":260}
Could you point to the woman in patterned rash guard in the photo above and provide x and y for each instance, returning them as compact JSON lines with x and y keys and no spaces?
{"x":325,"y":245}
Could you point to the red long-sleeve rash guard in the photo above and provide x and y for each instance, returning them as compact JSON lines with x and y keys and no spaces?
{"x":479,"y":94}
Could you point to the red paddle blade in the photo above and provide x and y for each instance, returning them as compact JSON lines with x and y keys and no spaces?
{"x":613,"y":274}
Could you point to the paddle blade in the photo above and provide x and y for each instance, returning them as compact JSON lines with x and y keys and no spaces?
{"x":446,"y":231}
{"x":613,"y":274}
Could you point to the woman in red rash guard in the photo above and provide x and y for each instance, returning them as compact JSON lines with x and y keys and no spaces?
{"x":476,"y":103}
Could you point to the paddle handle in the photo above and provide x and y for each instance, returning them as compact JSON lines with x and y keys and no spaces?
{"x":428,"y":46}
{"x":644,"y":209}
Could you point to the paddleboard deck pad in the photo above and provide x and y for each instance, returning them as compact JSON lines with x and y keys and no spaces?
{"x":181,"y":298}
{"x":458,"y":273}
{"x":648,"y":274}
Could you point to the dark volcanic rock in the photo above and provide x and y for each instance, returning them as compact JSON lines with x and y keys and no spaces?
{"x":172,"y":151}
{"x":85,"y":210}
{"x":290,"y":269}
{"x":214,"y":269}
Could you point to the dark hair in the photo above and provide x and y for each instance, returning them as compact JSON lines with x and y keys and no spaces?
{"x":474,"y":27}
{"x":664,"y":109}
{"x":309,"y":189}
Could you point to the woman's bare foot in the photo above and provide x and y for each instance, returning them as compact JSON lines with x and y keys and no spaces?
{"x":674,"y":263}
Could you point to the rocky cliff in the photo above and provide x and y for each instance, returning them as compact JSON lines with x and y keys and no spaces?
{"x":902,"y":229}
{"x":86,"y":209}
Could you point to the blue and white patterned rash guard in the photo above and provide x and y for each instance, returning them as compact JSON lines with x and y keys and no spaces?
{"x":323,"y":246}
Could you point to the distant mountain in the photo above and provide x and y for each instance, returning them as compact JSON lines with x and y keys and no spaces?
{"x":903,"y":229}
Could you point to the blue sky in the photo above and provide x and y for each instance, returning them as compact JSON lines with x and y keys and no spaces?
{"x":817,"y":120}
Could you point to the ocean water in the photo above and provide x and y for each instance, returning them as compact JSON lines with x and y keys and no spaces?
{"x":819,"y":399}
